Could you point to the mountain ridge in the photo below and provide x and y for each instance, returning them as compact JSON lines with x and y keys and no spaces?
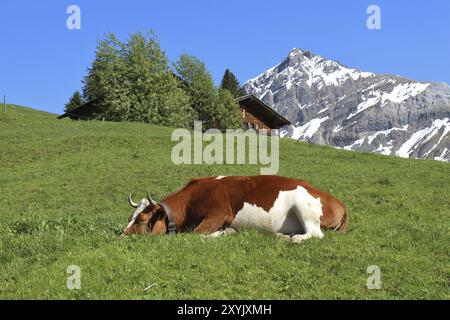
{"x":330,"y":103}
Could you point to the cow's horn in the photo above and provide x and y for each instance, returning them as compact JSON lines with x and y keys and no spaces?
{"x":134,"y":205}
{"x":153,"y":202}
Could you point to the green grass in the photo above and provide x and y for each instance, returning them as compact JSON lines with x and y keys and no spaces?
{"x":64,"y":184}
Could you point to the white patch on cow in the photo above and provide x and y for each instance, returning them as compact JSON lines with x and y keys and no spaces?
{"x":293,"y":212}
{"x":220,"y":177}
{"x":252,"y":216}
{"x":141,"y":207}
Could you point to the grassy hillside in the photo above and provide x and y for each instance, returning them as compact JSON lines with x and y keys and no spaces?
{"x":64,"y":188}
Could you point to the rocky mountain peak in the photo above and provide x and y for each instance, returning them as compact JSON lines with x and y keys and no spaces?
{"x":330,"y":103}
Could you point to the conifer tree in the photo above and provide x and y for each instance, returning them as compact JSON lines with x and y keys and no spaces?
{"x":231,"y":83}
{"x":75,"y":102}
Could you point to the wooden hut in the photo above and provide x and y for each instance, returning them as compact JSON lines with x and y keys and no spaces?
{"x":258,"y":115}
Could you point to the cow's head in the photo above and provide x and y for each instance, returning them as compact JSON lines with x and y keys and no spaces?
{"x":148,"y":216}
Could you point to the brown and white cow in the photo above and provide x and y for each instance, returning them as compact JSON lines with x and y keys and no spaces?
{"x":289,"y":208}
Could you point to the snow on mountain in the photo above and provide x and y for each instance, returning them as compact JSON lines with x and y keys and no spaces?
{"x":308,"y":129}
{"x":423,"y":136}
{"x":329,"y":103}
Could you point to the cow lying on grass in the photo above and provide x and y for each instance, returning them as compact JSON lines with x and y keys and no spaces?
{"x":216,"y":206}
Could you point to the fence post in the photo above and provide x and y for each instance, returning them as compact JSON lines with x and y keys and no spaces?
{"x":4,"y":103}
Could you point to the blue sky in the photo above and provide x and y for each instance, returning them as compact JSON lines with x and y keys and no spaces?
{"x":42,"y":62}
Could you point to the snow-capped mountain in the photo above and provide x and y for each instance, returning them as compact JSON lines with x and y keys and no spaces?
{"x":329,"y":103}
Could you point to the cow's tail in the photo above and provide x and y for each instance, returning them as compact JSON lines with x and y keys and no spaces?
{"x":342,"y":226}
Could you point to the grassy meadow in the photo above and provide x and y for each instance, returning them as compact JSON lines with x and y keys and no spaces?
{"x":63,"y":201}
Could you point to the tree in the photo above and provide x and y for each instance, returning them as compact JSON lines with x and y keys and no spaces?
{"x":104,"y":86}
{"x":132,"y":81}
{"x":75,"y":102}
{"x":231,"y":83}
{"x":199,"y":85}
{"x":231,"y":114}
{"x":214,"y":108}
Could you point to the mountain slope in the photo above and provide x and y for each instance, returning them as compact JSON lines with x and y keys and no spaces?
{"x":329,"y":103}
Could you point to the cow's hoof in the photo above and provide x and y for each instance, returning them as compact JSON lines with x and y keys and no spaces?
{"x":214,"y":235}
{"x":282,"y":236}
{"x":298,"y":238}
{"x":230,"y":231}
